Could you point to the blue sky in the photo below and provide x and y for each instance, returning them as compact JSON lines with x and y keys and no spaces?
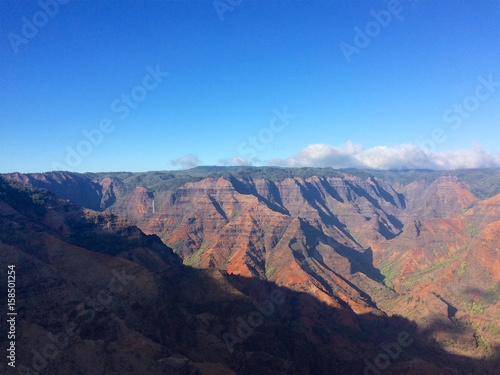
{"x":260,"y":82}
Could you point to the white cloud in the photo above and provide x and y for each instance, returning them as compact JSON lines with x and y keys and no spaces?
{"x":322,"y":155}
{"x":187,"y":161}
{"x":405,"y":156}
{"x":235,"y":161}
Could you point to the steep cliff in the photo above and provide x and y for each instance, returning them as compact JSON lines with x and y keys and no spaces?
{"x":95,"y":294}
{"x":424,"y":247}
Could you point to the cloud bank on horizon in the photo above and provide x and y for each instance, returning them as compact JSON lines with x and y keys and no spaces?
{"x":187,"y":161}
{"x":406,"y":156}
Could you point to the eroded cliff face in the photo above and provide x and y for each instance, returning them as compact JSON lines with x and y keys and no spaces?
{"x":96,"y":195}
{"x":95,"y":294}
{"x":302,"y":233}
{"x":442,"y":198}
{"x":427,"y":252}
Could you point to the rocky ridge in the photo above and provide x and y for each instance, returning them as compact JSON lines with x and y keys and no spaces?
{"x":427,"y":250}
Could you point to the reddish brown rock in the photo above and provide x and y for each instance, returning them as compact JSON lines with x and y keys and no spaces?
{"x":339,"y":239}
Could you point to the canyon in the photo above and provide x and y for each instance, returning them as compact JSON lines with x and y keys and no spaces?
{"x":360,"y":257}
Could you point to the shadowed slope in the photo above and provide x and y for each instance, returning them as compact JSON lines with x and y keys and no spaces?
{"x":425,"y":247}
{"x":130,"y":307}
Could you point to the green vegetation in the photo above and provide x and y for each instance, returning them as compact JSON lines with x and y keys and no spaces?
{"x":475,"y":308}
{"x":461,"y":271}
{"x":472,"y":230}
{"x":390,"y":273}
{"x":172,"y":180}
{"x":489,"y":298}
{"x":24,"y":199}
{"x":494,"y":330}
{"x":193,"y":261}
{"x":384,"y":294}
{"x":492,"y":295}
{"x":465,"y":209}
{"x":484,"y":183}
{"x":483,"y":343}
{"x":270,"y":271}
{"x":421,"y":275}
{"x":390,"y":304}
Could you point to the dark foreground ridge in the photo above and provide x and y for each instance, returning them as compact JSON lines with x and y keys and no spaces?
{"x":97,"y":295}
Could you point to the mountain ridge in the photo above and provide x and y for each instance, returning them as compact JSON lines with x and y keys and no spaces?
{"x":159,"y":316}
{"x":356,"y":243}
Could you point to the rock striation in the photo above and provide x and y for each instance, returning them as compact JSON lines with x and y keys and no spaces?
{"x":426,"y":249}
